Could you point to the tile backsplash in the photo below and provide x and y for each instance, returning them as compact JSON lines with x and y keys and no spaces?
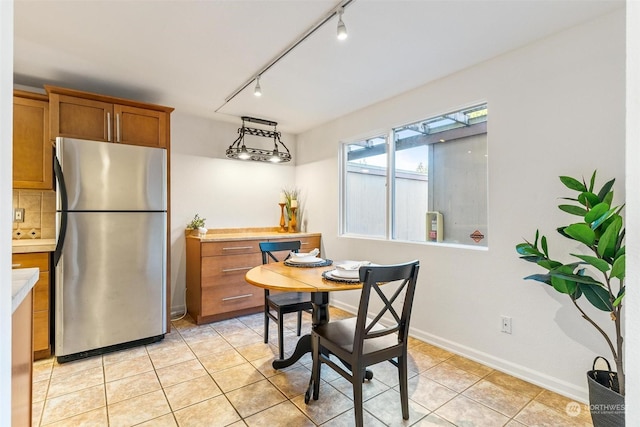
{"x":39,"y":214}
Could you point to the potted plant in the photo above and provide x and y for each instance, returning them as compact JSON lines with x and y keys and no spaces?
{"x":197,"y":225}
{"x":598,"y":275}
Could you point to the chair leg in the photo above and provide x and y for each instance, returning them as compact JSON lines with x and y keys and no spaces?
{"x":356,"y":380}
{"x":316,"y":367}
{"x":404,"y":392}
{"x":266,"y":323}
{"x":299,"y":322}
{"x":281,"y":335}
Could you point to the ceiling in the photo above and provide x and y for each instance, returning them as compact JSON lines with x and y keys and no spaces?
{"x":192,"y":55}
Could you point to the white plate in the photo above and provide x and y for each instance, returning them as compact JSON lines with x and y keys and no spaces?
{"x":305,"y":260}
{"x":332,"y":275}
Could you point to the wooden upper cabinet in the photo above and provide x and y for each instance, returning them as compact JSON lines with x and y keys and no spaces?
{"x":84,"y":115}
{"x":32,"y":150}
{"x":81,"y":118}
{"x":140,"y":126}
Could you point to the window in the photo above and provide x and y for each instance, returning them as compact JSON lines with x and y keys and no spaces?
{"x":365,"y":186}
{"x":430,"y":184}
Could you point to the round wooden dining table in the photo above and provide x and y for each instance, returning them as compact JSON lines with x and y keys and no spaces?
{"x":281,"y":277}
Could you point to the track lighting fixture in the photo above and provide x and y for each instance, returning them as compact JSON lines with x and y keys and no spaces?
{"x":258,"y":90}
{"x":342,"y":29}
{"x":238,"y":149}
{"x":328,"y":17}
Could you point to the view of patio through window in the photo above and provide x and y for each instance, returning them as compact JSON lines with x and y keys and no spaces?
{"x":430,"y":185}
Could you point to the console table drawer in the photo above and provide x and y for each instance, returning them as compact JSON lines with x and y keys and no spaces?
{"x":232,"y":247}
{"x":230,"y":297}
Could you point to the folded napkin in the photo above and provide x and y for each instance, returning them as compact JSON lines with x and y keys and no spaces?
{"x":352,"y":265}
{"x":313,"y":253}
{"x":349,"y":269}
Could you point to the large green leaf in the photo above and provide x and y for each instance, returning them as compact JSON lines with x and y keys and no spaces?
{"x":563,"y":286}
{"x":527,"y":249}
{"x":598,"y":296}
{"x":578,"y":278}
{"x":573,"y":183}
{"x":603,"y":218}
{"x":549,"y":264}
{"x":544,"y":278}
{"x":560,"y":282}
{"x":598,"y":263}
{"x":620,"y":297}
{"x":596,"y":212}
{"x":592,"y":183}
{"x":618,"y":269}
{"x":573,"y":210}
{"x":581,"y":232}
{"x":608,"y":240}
{"x":606,"y":190}
{"x":588,"y":199}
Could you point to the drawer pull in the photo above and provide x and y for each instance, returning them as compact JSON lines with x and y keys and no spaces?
{"x":235,"y":248}
{"x":15,"y":265}
{"x":227,"y":270}
{"x":237,"y":297}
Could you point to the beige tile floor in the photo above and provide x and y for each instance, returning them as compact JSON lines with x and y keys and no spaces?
{"x":220,"y":374}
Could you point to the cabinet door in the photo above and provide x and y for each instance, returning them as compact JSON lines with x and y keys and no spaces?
{"x":32,"y":151}
{"x":21,"y":365}
{"x":140,"y":126}
{"x":41,"y":300}
{"x":81,"y":118}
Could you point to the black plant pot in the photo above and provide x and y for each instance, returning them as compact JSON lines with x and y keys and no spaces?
{"x":605,"y":403}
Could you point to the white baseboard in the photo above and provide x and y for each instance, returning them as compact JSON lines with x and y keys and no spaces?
{"x":579,"y":394}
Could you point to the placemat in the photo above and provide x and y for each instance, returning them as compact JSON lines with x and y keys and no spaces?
{"x":323,"y":263}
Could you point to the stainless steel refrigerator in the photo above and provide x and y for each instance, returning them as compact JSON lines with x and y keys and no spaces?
{"x":110,"y":284}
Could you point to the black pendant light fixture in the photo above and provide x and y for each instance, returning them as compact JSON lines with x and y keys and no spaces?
{"x":238,"y":149}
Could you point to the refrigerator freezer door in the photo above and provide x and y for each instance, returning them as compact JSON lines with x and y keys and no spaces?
{"x":103,"y":176}
{"x":110,"y":283}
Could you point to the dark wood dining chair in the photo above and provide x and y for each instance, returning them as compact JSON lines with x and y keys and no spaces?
{"x":278,"y":304}
{"x":365,"y":340}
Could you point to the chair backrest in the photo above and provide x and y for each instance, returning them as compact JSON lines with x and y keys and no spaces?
{"x":375,"y":279}
{"x":267,"y":249}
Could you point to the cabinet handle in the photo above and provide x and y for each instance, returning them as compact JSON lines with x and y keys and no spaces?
{"x":108,"y":126}
{"x":235,"y":248}
{"x":304,"y":243}
{"x":226,"y":270}
{"x":117,"y":127}
{"x":237,"y":297}
{"x":15,"y":265}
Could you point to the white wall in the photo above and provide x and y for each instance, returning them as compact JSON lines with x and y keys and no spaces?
{"x":6,"y":167}
{"x":228,"y":193}
{"x":554,"y":107}
{"x":632,"y":317}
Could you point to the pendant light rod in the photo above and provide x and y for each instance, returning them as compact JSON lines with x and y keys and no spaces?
{"x":334,"y":11}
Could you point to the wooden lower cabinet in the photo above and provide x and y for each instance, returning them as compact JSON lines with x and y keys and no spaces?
{"x":216,"y":288}
{"x":21,"y":364}
{"x":41,"y":301}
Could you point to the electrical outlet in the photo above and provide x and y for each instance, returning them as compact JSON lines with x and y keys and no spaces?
{"x":18,"y":215}
{"x":506,"y":324}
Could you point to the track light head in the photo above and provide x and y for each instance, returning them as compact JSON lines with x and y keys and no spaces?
{"x":342,"y":29}
{"x":258,"y":90}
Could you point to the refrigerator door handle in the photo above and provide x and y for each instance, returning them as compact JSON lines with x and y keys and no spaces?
{"x":62,"y":189}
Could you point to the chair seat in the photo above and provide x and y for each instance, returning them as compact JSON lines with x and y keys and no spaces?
{"x":342,"y":332}
{"x":291,"y":301}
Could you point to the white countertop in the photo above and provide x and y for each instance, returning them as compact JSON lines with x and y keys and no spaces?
{"x":22,"y":281}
